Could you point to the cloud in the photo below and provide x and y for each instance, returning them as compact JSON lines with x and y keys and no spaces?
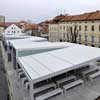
{"x":38,"y":10}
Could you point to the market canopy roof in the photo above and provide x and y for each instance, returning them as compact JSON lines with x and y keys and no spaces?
{"x":46,"y":65}
{"x":23,"y":36}
{"x":26,"y":45}
{"x":23,"y":39}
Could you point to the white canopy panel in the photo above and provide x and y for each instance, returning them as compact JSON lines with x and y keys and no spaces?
{"x":52,"y":63}
{"x":28,"y":39}
{"x":23,"y":36}
{"x":20,"y":35}
{"x":38,"y":70}
{"x":77,"y":54}
{"x":27,"y":45}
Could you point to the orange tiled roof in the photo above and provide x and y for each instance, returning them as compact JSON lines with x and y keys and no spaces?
{"x":58,"y":18}
{"x":67,"y":18}
{"x":6,"y":24}
{"x":23,"y":24}
{"x":30,"y":26}
{"x":2,"y":24}
{"x":10,"y":23}
{"x":16,"y":23}
{"x":44,"y":26}
{"x":94,"y":15}
{"x":45,"y":29}
{"x":82,"y":17}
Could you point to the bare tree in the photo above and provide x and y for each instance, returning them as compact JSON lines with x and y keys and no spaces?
{"x":72,"y":33}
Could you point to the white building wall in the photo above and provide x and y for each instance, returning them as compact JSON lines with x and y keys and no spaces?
{"x":13,"y":29}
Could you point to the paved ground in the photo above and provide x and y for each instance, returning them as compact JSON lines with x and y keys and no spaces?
{"x":3,"y":82}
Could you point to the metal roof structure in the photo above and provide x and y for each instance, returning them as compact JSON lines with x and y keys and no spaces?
{"x":22,"y":36}
{"x":22,"y":39}
{"x":33,"y":45}
{"x":28,"y":47}
{"x":46,"y":65}
{"x":37,"y":42}
{"x":27,"y":39}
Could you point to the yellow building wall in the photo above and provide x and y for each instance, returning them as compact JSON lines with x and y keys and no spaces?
{"x":59,"y":31}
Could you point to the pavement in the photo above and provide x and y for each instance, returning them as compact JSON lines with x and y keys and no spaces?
{"x":3,"y":80}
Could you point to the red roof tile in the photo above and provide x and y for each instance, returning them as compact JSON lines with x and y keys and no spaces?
{"x":82,"y":17}
{"x":2,"y":24}
{"x":30,"y":26}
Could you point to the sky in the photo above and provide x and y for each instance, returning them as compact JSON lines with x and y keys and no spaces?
{"x":39,"y":10}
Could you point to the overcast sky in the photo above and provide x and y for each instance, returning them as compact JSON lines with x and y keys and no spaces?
{"x":39,"y":10}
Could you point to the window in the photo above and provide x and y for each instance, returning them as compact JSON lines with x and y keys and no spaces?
{"x":99,"y":28}
{"x":92,"y":39}
{"x":99,"y":39}
{"x":64,"y":28}
{"x":18,"y":66}
{"x":80,"y":28}
{"x":99,"y":42}
{"x":25,"y":81}
{"x":85,"y":27}
{"x":86,"y":38}
{"x":71,"y":28}
{"x":92,"y":28}
{"x":60,"y":27}
{"x":9,"y":57}
{"x":14,"y":58}
{"x":79,"y":37}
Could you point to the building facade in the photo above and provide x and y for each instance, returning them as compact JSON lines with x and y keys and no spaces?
{"x":2,"y":21}
{"x":30,"y":29}
{"x":2,"y":18}
{"x":88,"y":27}
{"x":13,"y":29}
